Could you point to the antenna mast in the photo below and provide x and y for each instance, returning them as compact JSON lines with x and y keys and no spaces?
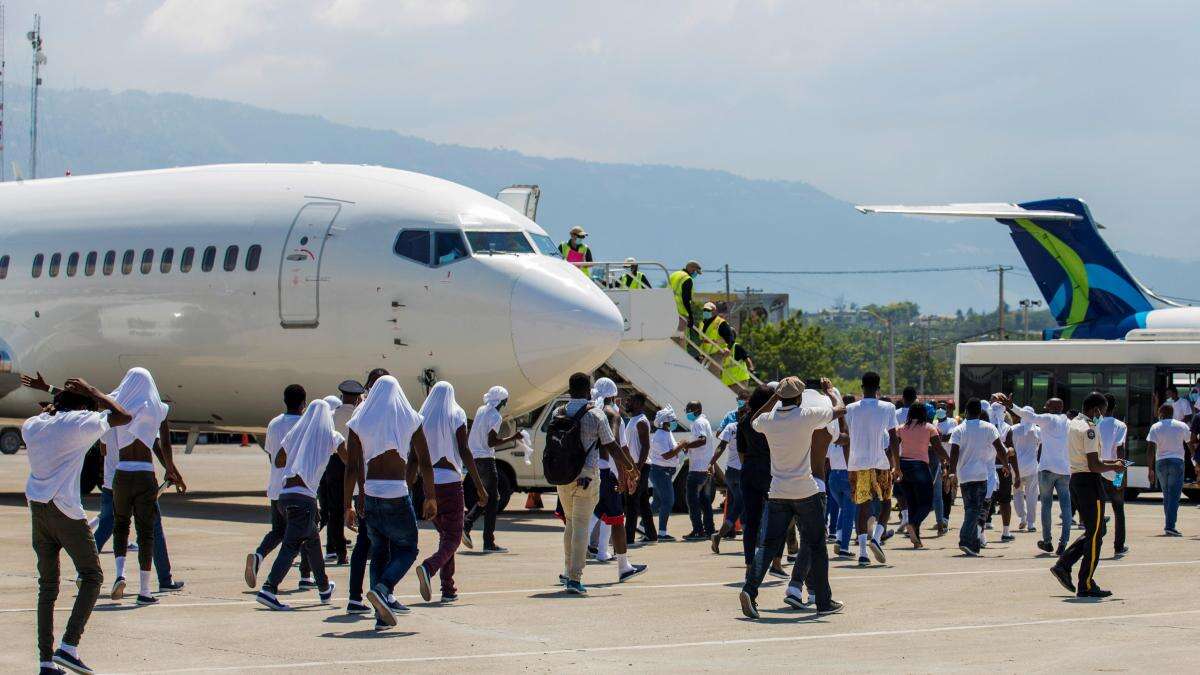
{"x":39,"y":59}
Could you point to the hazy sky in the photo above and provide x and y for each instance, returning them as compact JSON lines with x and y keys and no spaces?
{"x":885,"y":101}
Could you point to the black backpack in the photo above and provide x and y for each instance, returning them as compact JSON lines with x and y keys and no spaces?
{"x":564,"y":455}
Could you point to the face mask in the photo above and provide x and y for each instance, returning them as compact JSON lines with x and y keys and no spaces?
{"x":673,"y":426}
{"x":691,"y":417}
{"x":940,"y":415}
{"x":574,"y":241}
{"x":1096,"y":419}
{"x":1193,"y":396}
{"x":693,"y":274}
{"x":741,"y":403}
{"x":707,"y":314}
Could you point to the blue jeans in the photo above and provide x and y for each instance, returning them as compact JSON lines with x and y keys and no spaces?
{"x":664,"y":493}
{"x":733,"y":497}
{"x":973,"y":495}
{"x":935,"y":470}
{"x":699,"y":501}
{"x":1048,"y":482}
{"x":302,"y":536}
{"x":392,"y":527}
{"x":1170,"y":478}
{"x":809,"y":516}
{"x":104,"y":529}
{"x":839,"y":491}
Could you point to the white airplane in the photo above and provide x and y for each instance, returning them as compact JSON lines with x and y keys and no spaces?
{"x":230,"y":282}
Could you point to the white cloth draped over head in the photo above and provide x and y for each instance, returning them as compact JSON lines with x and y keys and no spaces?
{"x":442,"y":418}
{"x":605,"y":388}
{"x":333,"y":401}
{"x":138,"y":394}
{"x":665,"y":415}
{"x":310,"y":443}
{"x":386,"y":420}
{"x":495,"y":396}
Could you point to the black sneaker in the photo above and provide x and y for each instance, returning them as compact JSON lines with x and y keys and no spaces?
{"x":144,"y":600}
{"x":629,"y":574}
{"x":50,"y":670}
{"x":71,"y":663}
{"x":833,"y":608}
{"x":716,"y":543}
{"x":749,"y":607}
{"x":779,"y":572}
{"x":665,"y":537}
{"x":327,"y":593}
{"x":695,"y":536}
{"x":593,"y":551}
{"x":791,"y":557}
{"x":466,"y":539}
{"x":795,"y":602}
{"x":307,"y":584}
{"x":843,"y":553}
{"x":377,"y":596}
{"x":118,"y":589}
{"x":887,"y":534}
{"x":357,"y":607}
{"x":876,"y":551}
{"x":1062,"y":546}
{"x":1045,"y":546}
{"x":423,"y":583}
{"x":1096,"y":592}
{"x":267,"y":599}
{"x":1121,"y":551}
{"x":1172,"y":532}
{"x":1063,"y":577}
{"x":863,"y":561}
{"x":494,"y":549}
{"x":173,"y":585}
{"x":1007,"y":537}
{"x":968,"y":550}
{"x":449,"y":597}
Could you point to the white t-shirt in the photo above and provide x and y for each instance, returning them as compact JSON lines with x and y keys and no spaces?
{"x":789,"y":431}
{"x":1182,"y":408}
{"x":1054,"y":439}
{"x":487,"y":420}
{"x":342,"y":415}
{"x":946,"y":426}
{"x":448,"y":451}
{"x":633,"y":440}
{"x":976,"y":450}
{"x":1025,"y":439}
{"x":276,"y":430}
{"x":309,"y":467}
{"x":112,"y":457}
{"x":867,"y":420}
{"x":1168,"y":437}
{"x":56,"y":445}
{"x":662,"y":442}
{"x":1112,"y":436}
{"x":699,"y":458}
{"x":729,"y":434}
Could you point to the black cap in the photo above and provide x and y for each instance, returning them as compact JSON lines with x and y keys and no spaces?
{"x":351,"y":387}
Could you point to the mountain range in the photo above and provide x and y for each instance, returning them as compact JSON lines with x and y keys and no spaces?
{"x":652,"y":212}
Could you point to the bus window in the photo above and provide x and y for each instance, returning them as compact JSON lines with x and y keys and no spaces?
{"x":1039,"y":389}
{"x":1079,"y":385}
{"x":977,"y":382}
{"x":1140,"y":413}
{"x":1012,"y":382}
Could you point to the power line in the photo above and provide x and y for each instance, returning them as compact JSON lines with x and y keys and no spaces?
{"x":908,"y":270}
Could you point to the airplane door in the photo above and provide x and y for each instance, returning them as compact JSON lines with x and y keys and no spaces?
{"x":300,"y":270}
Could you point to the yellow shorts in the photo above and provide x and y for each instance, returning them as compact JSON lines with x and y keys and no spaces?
{"x":868,"y":484}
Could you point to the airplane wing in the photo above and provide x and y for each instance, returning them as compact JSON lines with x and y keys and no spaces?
{"x":998,"y":210}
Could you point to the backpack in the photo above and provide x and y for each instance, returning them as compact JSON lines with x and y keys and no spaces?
{"x":564,"y":455}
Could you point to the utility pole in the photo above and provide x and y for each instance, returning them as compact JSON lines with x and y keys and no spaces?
{"x":39,"y":59}
{"x":728,"y":295}
{"x":891,"y":356}
{"x":1001,"y":269}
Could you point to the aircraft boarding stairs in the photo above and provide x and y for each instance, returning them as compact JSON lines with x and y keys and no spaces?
{"x":652,"y":357}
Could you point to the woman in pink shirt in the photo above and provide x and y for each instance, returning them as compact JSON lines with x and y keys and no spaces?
{"x":916,"y":437}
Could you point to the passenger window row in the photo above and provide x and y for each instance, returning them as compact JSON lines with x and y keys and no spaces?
{"x":146,"y":263}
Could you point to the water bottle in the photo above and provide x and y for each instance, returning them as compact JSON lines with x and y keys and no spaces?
{"x":1120,"y":480}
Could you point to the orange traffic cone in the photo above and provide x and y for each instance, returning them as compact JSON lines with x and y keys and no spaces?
{"x":533,"y":502}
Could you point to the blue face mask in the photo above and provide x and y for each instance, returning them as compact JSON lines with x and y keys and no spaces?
{"x":691,"y":417}
{"x":673,"y":426}
{"x":741,"y":403}
{"x":693,"y":274}
{"x":707,"y":314}
{"x":1193,"y":396}
{"x":940,"y":415}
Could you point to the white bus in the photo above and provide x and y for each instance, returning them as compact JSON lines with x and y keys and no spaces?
{"x":1136,"y":371}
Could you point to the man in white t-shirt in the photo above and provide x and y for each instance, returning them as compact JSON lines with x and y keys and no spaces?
{"x":1181,"y":408}
{"x":975,"y":451}
{"x":700,"y":450}
{"x":795,"y":495}
{"x":872,"y":467}
{"x":1054,"y":470}
{"x":1025,"y":439}
{"x":294,"y":400}
{"x":483,"y":439}
{"x":57,"y":441}
{"x":1113,"y":433}
{"x":1166,"y":456}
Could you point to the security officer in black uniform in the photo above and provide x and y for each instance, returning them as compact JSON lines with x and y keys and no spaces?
{"x":1087,"y":494}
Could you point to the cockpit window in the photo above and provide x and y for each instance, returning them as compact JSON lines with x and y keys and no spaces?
{"x":414,"y":245}
{"x":546,"y":245}
{"x":499,"y":242}
{"x":448,"y":247}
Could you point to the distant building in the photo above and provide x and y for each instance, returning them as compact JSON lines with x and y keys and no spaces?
{"x":740,"y":306}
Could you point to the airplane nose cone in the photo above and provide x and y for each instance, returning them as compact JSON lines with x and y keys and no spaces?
{"x":561,"y":323}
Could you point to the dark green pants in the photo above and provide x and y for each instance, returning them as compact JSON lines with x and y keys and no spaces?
{"x":53,"y":532}
{"x":135,"y":495}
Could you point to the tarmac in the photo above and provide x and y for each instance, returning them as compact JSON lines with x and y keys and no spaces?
{"x":925,"y":611}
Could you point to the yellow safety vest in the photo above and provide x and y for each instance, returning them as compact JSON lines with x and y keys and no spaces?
{"x":575,"y":256}
{"x":734,"y":371}
{"x":713,"y":344}
{"x":634,"y":282}
{"x":675,"y":281}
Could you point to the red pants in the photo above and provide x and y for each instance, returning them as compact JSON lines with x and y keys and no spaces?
{"x":449,"y":524}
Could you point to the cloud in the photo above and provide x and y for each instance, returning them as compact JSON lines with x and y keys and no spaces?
{"x":393,"y":16}
{"x":207,"y":27}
